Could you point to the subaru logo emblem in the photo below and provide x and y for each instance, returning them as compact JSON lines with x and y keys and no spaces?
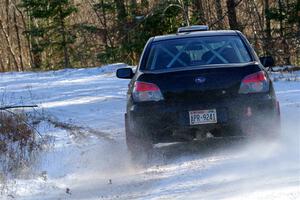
{"x":200,"y":80}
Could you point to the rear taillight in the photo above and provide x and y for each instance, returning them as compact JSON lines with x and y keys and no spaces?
{"x":143,"y":91}
{"x":255,"y":83}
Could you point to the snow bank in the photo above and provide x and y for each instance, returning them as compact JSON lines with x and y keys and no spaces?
{"x":286,"y":76}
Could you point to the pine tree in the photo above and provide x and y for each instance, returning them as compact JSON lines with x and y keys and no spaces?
{"x":286,"y":13}
{"x":49,"y":31}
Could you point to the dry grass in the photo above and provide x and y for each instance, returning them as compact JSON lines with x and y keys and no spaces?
{"x":19,"y":142}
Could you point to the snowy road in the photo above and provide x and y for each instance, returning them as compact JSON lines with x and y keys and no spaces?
{"x":92,"y":163}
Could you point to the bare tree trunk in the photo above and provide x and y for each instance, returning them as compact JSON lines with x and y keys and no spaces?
{"x":106,"y":36}
{"x":298,"y":35}
{"x":258,"y":25}
{"x":185,"y":6}
{"x":219,"y":11}
{"x":267,"y":19}
{"x":64,"y":41}
{"x":29,"y":48}
{"x":102,"y":18}
{"x":7,"y":26}
{"x":2,"y":65}
{"x":268,"y":38}
{"x":200,"y":14}
{"x":287,"y":57}
{"x":232,"y":15}
{"x":122,"y":21}
{"x":121,"y":14}
{"x":10,"y":48}
{"x":280,"y":6}
{"x":18,"y":41}
{"x":298,"y":6}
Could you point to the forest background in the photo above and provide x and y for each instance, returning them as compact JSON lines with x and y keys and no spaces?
{"x":55,"y":34}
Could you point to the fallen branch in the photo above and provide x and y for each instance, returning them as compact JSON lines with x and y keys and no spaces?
{"x":13,"y":107}
{"x":7,"y":109}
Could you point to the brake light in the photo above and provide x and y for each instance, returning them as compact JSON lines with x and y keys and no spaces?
{"x":254,"y":83}
{"x":143,"y":91}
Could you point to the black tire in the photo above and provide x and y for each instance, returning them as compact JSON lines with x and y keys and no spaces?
{"x":139,"y":143}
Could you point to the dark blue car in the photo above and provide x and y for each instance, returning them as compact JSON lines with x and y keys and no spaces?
{"x":197,"y":84}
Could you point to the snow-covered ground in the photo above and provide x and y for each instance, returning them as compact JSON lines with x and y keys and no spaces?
{"x":89,"y":159}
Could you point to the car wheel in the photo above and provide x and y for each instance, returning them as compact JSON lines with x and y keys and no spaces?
{"x":139,"y":143}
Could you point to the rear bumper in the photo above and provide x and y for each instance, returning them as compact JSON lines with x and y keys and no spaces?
{"x":161,"y":119}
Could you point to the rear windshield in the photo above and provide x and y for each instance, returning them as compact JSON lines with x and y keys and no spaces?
{"x":195,"y":52}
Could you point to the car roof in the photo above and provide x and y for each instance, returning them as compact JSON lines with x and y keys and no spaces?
{"x":194,"y":34}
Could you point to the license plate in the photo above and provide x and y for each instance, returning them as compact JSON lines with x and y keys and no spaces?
{"x":203,"y":117}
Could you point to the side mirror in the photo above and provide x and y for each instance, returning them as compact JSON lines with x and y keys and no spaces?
{"x":125,"y":73}
{"x":267,"y":61}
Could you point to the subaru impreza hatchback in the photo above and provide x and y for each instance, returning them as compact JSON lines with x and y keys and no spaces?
{"x":197,"y":84}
